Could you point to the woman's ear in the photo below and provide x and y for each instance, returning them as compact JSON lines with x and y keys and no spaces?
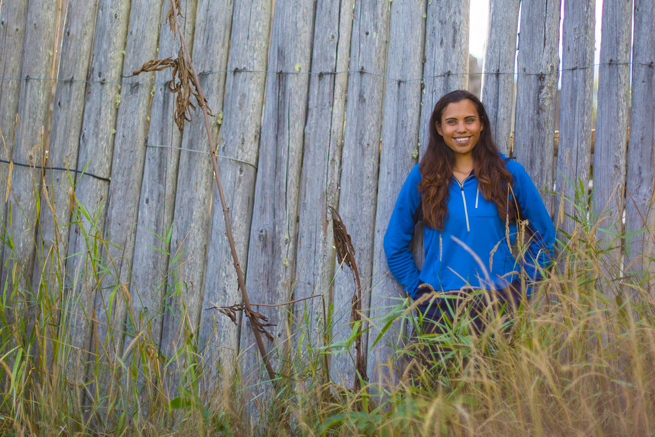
{"x":436,"y":124}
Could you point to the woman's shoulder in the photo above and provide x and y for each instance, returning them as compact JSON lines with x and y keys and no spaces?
{"x":415,"y":174}
{"x":513,"y":166}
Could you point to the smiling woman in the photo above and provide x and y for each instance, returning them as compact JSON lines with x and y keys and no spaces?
{"x":470,"y":197}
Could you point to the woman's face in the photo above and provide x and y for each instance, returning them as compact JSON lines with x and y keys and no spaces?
{"x":460,"y":127}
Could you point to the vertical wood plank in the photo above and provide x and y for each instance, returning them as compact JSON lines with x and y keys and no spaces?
{"x":158,"y":189}
{"x":35,"y":98}
{"x":538,"y":65}
{"x":639,"y":204}
{"x":94,"y":156}
{"x":446,"y":57}
{"x":68,"y":110}
{"x":238,"y":146}
{"x":126,"y":175}
{"x":321,"y":163}
{"x":195,"y":181}
{"x":612,"y":116}
{"x":274,"y":228}
{"x":499,"y":56}
{"x":13,"y":16}
{"x":574,"y":152}
{"x":400,"y":133}
{"x":359,"y":166}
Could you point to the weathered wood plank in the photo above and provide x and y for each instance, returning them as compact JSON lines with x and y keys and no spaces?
{"x":400,"y":133}
{"x":321,"y":165}
{"x":13,"y":16}
{"x":359,"y":166}
{"x":158,"y":189}
{"x":612,"y":116}
{"x":499,"y":56}
{"x":239,"y":144}
{"x":68,"y":110}
{"x":639,"y":204}
{"x":538,"y":64}
{"x":94,"y":156}
{"x":274,"y":228}
{"x":29,"y":148}
{"x":576,"y":99}
{"x":126,"y":174}
{"x":192,"y":216}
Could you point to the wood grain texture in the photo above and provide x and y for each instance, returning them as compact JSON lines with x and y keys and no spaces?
{"x":538,"y":65}
{"x":321,"y":164}
{"x":13,"y":16}
{"x":29,"y":148}
{"x":576,"y":99}
{"x":94,"y":156}
{"x":359,"y":167}
{"x":111,"y":303}
{"x":612,"y":115}
{"x":499,"y":56}
{"x":274,"y":227}
{"x":639,"y":204}
{"x":400,"y":133}
{"x":193,"y":199}
{"x":158,"y":189}
{"x":239,"y":139}
{"x":68,"y":111}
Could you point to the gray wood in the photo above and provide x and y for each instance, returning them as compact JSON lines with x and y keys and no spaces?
{"x":538,"y":64}
{"x":446,"y":57}
{"x":274,"y":228}
{"x":499,"y":56}
{"x":239,"y":139}
{"x":111,"y":306}
{"x":400,"y":133}
{"x":359,"y":167}
{"x":68,"y":110}
{"x":576,"y":99}
{"x":94,"y":156}
{"x":13,"y":14}
{"x":639,"y":204}
{"x":612,"y":117}
{"x":29,"y":148}
{"x":158,"y":189}
{"x":321,"y":163}
{"x":193,"y":204}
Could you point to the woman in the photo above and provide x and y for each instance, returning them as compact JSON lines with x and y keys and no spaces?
{"x":469,"y":196}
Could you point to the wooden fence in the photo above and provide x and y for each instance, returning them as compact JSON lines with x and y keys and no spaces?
{"x":316,"y":104}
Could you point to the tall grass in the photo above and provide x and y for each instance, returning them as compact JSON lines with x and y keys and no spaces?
{"x":578,"y":360}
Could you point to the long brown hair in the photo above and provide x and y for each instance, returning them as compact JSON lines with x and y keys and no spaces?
{"x":437,"y":164}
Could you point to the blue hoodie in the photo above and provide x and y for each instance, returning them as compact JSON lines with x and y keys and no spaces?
{"x":472,"y":227}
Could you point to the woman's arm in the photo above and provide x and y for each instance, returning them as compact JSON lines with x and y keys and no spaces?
{"x":399,"y":234}
{"x":542,"y":241}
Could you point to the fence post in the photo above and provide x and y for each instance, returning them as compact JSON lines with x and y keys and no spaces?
{"x":399,"y":153}
{"x":359,"y":166}
{"x":612,"y":121}
{"x":639,"y":204}
{"x":498,"y":80}
{"x":574,"y":151}
{"x":321,"y":163}
{"x":538,"y":65}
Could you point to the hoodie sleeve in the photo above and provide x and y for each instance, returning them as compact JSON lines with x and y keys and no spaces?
{"x":541,"y":248}
{"x":399,"y":234}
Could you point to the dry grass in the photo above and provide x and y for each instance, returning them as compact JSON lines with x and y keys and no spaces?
{"x":579,"y":361}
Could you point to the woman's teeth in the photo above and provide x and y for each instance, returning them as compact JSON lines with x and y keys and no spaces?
{"x":462,"y":140}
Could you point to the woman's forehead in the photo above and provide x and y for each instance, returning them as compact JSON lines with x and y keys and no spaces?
{"x":463,"y":108}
